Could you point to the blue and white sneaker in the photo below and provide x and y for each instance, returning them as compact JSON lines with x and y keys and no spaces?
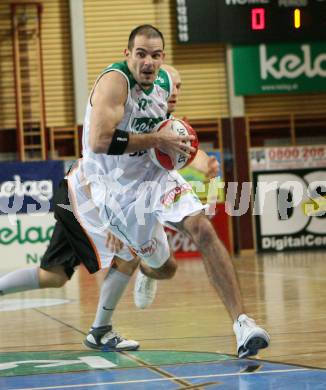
{"x":250,"y":337}
{"x":105,"y":339}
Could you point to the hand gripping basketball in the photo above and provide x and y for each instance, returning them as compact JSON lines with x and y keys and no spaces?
{"x":175,"y":159}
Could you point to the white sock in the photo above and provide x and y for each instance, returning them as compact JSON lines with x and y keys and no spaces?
{"x":20,"y":280}
{"x":112,"y":289}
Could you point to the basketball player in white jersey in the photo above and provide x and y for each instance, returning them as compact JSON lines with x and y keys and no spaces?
{"x":70,"y":245}
{"x":133,"y":197}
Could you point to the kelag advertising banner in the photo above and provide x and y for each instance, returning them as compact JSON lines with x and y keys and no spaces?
{"x":26,"y":210}
{"x":289,"y":209}
{"x":279,"y":68}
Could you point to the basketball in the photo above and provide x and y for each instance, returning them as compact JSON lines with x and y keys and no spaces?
{"x":174,"y":160}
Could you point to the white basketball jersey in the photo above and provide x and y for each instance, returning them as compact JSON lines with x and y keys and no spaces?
{"x":143,"y":110}
{"x":133,"y":197}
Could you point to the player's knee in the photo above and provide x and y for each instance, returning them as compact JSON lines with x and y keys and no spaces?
{"x":126,"y":267}
{"x":59,"y":281}
{"x":169,"y":269}
{"x":172,"y":270}
{"x":202,"y":230}
{"x":52,"y":278}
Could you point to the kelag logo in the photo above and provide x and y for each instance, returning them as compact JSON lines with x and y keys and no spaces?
{"x":20,"y":235}
{"x":279,"y":68}
{"x":28,"y":187}
{"x":144,"y":125}
{"x":291,"y":65}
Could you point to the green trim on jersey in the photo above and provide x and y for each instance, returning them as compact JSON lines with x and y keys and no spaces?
{"x":149,"y":90}
{"x":123,"y":67}
{"x":162,"y":78}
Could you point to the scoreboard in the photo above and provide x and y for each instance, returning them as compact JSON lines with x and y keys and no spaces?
{"x":250,"y":21}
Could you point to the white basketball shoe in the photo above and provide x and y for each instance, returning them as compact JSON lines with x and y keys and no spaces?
{"x":144,"y":290}
{"x":250,"y":337}
{"x":105,"y":339}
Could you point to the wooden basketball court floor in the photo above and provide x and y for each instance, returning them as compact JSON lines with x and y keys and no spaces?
{"x":42,"y":330}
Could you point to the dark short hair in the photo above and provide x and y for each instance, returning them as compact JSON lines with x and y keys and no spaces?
{"x":145,"y":29}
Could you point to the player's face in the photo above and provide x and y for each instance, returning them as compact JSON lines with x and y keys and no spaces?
{"x":145,"y":59}
{"x":173,"y":99}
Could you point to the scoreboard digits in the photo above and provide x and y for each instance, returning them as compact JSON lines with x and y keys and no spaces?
{"x":250,"y":21}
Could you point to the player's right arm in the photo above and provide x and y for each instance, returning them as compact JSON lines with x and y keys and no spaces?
{"x":108,"y":102}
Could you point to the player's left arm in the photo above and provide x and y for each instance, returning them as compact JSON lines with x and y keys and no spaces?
{"x":208,"y":165}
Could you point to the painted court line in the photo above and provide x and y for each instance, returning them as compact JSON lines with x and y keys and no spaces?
{"x":157,"y":370}
{"x":70,"y":386}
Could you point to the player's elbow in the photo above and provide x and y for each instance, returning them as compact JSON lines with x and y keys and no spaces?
{"x":97,"y":147}
{"x":99,"y":143}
